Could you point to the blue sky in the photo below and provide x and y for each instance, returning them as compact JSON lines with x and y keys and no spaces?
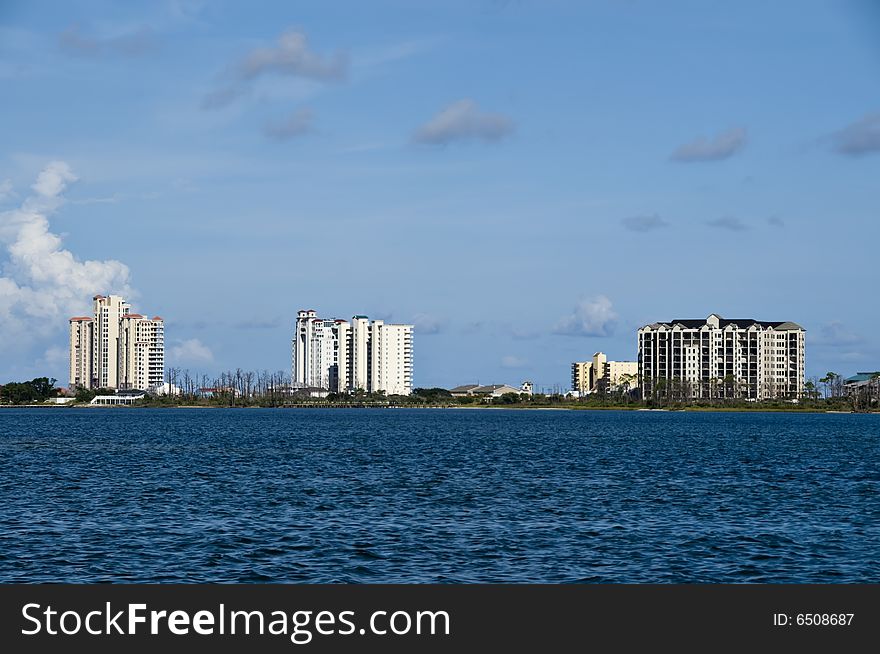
{"x":528,"y":182}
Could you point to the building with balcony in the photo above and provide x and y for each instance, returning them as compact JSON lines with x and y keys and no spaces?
{"x":719,"y":358}
{"x":115,"y":348}
{"x":349,"y":356}
{"x":601,"y":376}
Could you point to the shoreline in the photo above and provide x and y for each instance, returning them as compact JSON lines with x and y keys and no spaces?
{"x":469,"y":407}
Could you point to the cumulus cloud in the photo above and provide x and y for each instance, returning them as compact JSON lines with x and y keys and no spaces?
{"x":595,"y":317}
{"x":42,"y":283}
{"x":129,"y":44}
{"x":464,"y":121}
{"x":289,"y":56}
{"x":644,"y":223}
{"x":190,"y":351}
{"x":296,"y":124}
{"x":722,"y":146}
{"x":860,"y":138}
{"x":728,"y":222}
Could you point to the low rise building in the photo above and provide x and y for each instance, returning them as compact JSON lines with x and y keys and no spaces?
{"x":862,"y":381}
{"x":490,"y":390}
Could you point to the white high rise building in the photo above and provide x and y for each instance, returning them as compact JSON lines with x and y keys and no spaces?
{"x":116,"y":348}
{"x":722,"y":358}
{"x":342,"y":356}
{"x":141,"y":352}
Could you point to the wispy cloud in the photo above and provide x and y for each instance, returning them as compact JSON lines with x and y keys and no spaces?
{"x":644,"y":223}
{"x":44,"y":283}
{"x":289,"y":56}
{"x":464,"y":121}
{"x":129,"y":44}
{"x":721,"y":146}
{"x":775,"y":221}
{"x":296,"y":124}
{"x":594,"y":317}
{"x":860,"y":138}
{"x":271,"y":323}
{"x":728,"y":222}
{"x":837,"y":334}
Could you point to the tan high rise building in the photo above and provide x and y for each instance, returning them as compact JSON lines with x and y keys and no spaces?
{"x":108,"y":311}
{"x":116,"y":348}
{"x":343,"y":357}
{"x":81,"y":336}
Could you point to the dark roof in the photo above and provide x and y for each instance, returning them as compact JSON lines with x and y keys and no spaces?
{"x":739,"y":322}
{"x":463,"y":389}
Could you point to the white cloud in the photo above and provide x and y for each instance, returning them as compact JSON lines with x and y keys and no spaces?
{"x":43,"y":283}
{"x":289,"y":56}
{"x":190,"y":351}
{"x":594,"y":317}
{"x":511,"y":361}
{"x":425,"y":323}
{"x":463,"y":121}
{"x":722,"y":146}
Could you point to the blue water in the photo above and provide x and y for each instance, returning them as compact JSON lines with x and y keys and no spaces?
{"x":225,"y":495}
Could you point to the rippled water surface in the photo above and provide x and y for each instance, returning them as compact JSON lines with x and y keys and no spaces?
{"x":437,"y":496}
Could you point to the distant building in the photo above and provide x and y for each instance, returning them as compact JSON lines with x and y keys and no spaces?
{"x":722,"y":358}
{"x":601,"y":375}
{"x":342,"y":357}
{"x":490,"y":390}
{"x":463,"y":390}
{"x":141,"y":352}
{"x":861,"y":381}
{"x":115,"y":348}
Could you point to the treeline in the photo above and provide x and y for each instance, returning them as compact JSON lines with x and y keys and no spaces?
{"x":28,"y":392}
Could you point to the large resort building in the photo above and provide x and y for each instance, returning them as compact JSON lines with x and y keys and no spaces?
{"x":720,"y":358}
{"x":114,"y":348}
{"x":344,"y":357}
